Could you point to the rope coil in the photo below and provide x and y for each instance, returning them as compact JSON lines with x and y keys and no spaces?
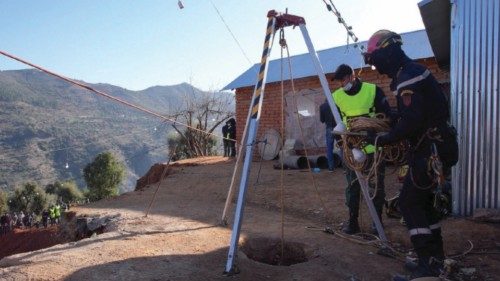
{"x":394,"y":153}
{"x":380,"y":124}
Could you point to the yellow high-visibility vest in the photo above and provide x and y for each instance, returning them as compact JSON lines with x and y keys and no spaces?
{"x":52,"y":212}
{"x":57,"y":211}
{"x":360,"y":104}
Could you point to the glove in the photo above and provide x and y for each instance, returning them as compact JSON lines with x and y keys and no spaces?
{"x":371,"y":135}
{"x":383,"y":139}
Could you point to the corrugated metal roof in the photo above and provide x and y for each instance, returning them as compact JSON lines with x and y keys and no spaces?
{"x":416,"y":45}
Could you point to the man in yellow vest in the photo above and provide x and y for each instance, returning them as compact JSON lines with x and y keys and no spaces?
{"x":355,"y":99}
{"x":57,"y":212}
{"x":52,"y":214}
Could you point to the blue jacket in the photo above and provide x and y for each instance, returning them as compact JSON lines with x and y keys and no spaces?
{"x":421,"y":103}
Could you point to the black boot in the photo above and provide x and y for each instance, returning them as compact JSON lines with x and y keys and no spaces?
{"x":428,"y":266}
{"x":437,"y":250}
{"x":352,"y":226}
{"x":424,"y":267}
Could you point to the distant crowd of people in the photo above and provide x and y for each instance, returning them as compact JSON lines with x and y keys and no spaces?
{"x":22,"y":220}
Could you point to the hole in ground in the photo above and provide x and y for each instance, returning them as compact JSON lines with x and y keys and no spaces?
{"x":269,"y":251}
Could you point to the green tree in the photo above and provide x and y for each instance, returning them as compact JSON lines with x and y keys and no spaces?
{"x":69,"y":192}
{"x":53,"y":188}
{"x":3,"y":202}
{"x":29,"y":198}
{"x":103,"y":175}
{"x":66,"y":191}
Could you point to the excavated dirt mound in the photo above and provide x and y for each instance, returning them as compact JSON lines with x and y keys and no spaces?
{"x":32,"y":239}
{"x":153,"y":175}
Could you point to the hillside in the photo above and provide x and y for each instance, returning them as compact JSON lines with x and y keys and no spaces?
{"x":48,"y":124}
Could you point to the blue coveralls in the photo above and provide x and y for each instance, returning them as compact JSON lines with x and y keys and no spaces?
{"x":422,"y":105}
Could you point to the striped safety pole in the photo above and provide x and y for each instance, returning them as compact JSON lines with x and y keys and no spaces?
{"x":251,"y":132}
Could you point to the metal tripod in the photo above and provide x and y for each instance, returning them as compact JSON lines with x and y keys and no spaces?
{"x":275,"y":22}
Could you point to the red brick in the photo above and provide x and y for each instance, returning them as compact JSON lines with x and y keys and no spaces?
{"x":271,"y":109}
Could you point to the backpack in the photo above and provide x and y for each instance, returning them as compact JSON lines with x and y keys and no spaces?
{"x":447,"y":146}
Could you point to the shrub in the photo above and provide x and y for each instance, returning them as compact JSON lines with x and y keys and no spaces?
{"x":28,"y":198}
{"x":103,"y":175}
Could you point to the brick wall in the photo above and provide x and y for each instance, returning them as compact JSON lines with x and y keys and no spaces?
{"x":271,"y":107}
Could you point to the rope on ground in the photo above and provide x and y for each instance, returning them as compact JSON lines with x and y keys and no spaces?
{"x":471,"y":246}
{"x":384,"y":248}
{"x":360,"y":238}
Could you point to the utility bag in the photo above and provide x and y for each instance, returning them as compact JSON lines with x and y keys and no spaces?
{"x":447,"y":146}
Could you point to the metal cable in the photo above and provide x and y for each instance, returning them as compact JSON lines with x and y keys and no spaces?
{"x":232,"y":34}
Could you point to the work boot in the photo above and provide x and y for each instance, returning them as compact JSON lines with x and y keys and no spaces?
{"x":436,"y":265}
{"x":425,"y":268}
{"x":351,"y":226}
{"x":437,"y":250}
{"x":411,"y":264}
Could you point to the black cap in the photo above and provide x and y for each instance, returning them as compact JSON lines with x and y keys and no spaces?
{"x":342,"y":71}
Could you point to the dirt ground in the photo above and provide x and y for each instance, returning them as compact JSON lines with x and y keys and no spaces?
{"x":182,"y":238}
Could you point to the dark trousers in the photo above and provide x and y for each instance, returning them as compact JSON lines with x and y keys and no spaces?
{"x":226,"y":147}
{"x":416,"y":203}
{"x":330,"y":141}
{"x":232,"y":148}
{"x":353,"y":191}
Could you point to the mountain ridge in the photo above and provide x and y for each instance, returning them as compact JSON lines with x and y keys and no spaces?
{"x":48,"y":124}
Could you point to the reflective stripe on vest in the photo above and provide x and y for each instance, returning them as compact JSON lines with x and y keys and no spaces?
{"x":362,"y":103}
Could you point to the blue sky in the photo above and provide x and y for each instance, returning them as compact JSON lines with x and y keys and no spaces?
{"x":138,"y":44}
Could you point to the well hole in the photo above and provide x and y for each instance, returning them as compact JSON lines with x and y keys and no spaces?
{"x":269,"y":251}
